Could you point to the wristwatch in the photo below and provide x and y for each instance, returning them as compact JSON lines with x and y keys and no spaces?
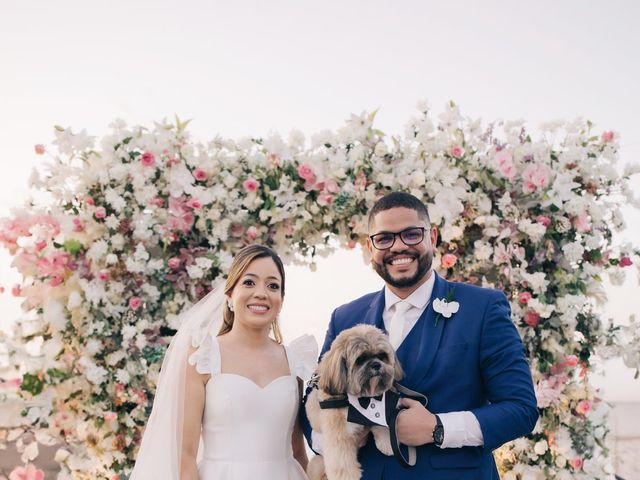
{"x":438,"y":432}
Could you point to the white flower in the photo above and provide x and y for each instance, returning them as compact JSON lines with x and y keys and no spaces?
{"x":123,"y":376}
{"x":534,"y":230}
{"x":98,"y":250}
{"x":541,"y":447}
{"x":573,"y":251}
{"x":444,"y":308}
{"x":115,"y":200}
{"x":195,"y":271}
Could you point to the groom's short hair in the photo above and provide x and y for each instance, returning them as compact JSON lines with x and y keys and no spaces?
{"x":399,"y":200}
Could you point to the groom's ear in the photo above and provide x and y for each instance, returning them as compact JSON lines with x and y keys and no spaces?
{"x":433,"y":235}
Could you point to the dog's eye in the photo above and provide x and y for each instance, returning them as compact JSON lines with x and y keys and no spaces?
{"x":362,"y":359}
{"x":383,"y":357}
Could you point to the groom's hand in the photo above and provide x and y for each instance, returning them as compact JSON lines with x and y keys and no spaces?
{"x":415,"y":423}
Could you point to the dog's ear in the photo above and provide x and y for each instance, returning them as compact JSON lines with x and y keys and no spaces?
{"x":333,"y":373}
{"x":397,"y":369}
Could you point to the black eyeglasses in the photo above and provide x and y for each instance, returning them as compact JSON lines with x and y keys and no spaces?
{"x":409,"y":236}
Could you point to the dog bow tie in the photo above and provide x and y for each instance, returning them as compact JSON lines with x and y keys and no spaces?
{"x":365,"y":401}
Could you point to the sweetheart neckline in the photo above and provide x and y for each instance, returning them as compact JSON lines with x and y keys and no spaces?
{"x":252,"y":382}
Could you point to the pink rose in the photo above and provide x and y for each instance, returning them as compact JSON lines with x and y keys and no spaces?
{"x":55,"y":281}
{"x":576,"y":463}
{"x":100,"y":213}
{"x":250,"y":185}
{"x":28,"y":472}
{"x":325,"y":199}
{"x":583,"y":407}
{"x":194,"y":203}
{"x":456,"y":152}
{"x":135,"y":303}
{"x":625,"y":261}
{"x":543,"y":220}
{"x":148,"y":159}
{"x":607,"y":136}
{"x":89,"y":201}
{"x":39,"y":148}
{"x":331,"y":186}
{"x":16,"y":290}
{"x":306,"y":172}
{"x":174,"y":263}
{"x":571,"y":361}
{"x":252,"y":232}
{"x":103,"y":275}
{"x":524,"y":298}
{"x":158,"y":202}
{"x":531,"y":318}
{"x":448,"y":260}
{"x":200,"y":175}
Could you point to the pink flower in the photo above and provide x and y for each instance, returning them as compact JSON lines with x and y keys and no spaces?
{"x":1,"y":290}
{"x":583,"y":407}
{"x":531,"y":318}
{"x":456,"y":152}
{"x":78,"y":226}
{"x":103,"y":275}
{"x":252,"y":232}
{"x":28,"y":472}
{"x":55,"y":281}
{"x":174,"y":263}
{"x":200,"y":175}
{"x":331,"y":186}
{"x":158,"y":202}
{"x":524,"y":298}
{"x":16,"y":291}
{"x":89,"y":201}
{"x":273,"y":159}
{"x":351,"y":244}
{"x":576,"y":463}
{"x":581,"y":223}
{"x":543,"y":220}
{"x":250,"y":185}
{"x":625,"y":261}
{"x":306,"y":172}
{"x":148,"y":159}
{"x":194,"y":203}
{"x":607,"y":136}
{"x":110,"y":416}
{"x":325,"y":199}
{"x":448,"y":260}
{"x":135,"y":303}
{"x":100,"y":213}
{"x":40,"y":245}
{"x":571,"y":361}
{"x":534,"y":177}
{"x":39,"y":148}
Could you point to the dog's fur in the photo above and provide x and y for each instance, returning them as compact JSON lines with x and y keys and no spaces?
{"x":361,"y":362}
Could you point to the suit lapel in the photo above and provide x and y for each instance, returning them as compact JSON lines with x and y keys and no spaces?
{"x":418,"y":350}
{"x":374,"y":314}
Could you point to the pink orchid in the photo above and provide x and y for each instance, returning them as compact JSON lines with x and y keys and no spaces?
{"x":194,"y":203}
{"x":28,"y":472}
{"x":535,"y":176}
{"x":625,"y":261}
{"x":148,"y":159}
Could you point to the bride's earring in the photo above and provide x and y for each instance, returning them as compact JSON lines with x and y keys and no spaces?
{"x":230,"y":305}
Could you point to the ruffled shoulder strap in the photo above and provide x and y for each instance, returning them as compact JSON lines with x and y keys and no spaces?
{"x":303,"y":356}
{"x":206,"y":358}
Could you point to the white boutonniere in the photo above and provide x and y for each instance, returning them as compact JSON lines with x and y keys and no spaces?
{"x":445,"y":307}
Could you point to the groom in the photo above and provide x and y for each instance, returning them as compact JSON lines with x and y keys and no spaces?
{"x":471,"y":365}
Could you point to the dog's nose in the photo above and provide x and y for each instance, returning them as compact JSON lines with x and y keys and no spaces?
{"x":376,"y":365}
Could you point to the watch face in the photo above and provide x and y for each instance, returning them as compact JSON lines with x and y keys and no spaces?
{"x":438,"y":435}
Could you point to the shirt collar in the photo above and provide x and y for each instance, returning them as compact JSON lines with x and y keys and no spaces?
{"x":418,"y":299}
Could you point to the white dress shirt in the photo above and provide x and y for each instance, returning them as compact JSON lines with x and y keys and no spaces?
{"x":461,"y":429}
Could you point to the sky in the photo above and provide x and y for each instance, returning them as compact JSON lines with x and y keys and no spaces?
{"x":250,"y":67}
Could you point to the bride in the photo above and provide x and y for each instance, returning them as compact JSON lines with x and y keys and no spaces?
{"x":227,"y":401}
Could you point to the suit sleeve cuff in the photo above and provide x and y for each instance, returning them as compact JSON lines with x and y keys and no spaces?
{"x":461,"y":429}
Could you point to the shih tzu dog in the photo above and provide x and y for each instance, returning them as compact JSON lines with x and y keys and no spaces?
{"x":361,"y":364}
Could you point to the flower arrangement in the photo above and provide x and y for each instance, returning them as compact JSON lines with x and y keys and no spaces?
{"x":135,"y":226}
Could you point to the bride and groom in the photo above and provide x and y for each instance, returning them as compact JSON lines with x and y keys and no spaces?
{"x":229,"y":399}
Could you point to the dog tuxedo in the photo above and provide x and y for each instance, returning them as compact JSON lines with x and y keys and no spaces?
{"x":380,"y":410}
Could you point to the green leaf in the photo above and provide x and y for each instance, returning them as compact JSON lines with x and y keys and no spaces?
{"x":32,"y":384}
{"x":72,"y":246}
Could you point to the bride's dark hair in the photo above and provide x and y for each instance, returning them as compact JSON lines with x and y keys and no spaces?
{"x":240,"y":263}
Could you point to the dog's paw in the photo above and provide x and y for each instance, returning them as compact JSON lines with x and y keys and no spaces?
{"x":383,"y":440}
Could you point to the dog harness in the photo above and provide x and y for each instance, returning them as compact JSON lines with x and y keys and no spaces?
{"x":381,"y":410}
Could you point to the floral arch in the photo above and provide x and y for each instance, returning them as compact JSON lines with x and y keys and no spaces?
{"x":136,"y":226}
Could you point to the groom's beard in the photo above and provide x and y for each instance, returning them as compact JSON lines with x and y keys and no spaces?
{"x":424,"y":265}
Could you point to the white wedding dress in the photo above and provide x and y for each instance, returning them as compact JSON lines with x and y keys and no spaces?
{"x":246,"y":429}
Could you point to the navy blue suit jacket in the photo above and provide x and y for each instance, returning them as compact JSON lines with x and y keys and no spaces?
{"x":472,"y":361}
